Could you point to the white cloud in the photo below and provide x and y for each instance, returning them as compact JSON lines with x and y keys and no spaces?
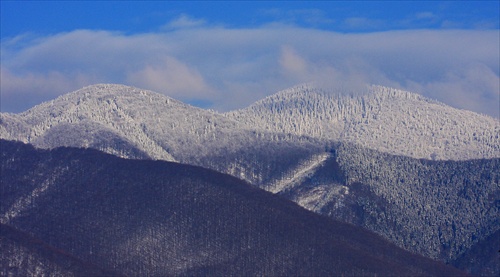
{"x":233,"y":67}
{"x":362,"y":23}
{"x":421,"y":19}
{"x":26,"y":90}
{"x":184,"y":21}
{"x":292,"y":62}
{"x":309,"y":17}
{"x":172,"y":77}
{"x":475,"y":87}
{"x":425,"y":15}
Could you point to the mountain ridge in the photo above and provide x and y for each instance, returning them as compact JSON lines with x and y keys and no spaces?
{"x":368,"y":118}
{"x":434,"y":130}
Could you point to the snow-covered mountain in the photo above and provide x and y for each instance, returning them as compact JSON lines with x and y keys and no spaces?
{"x":135,"y":123}
{"x":383,"y":119}
{"x":96,"y":116}
{"x":365,"y":158}
{"x":298,"y":124}
{"x":159,"y":127}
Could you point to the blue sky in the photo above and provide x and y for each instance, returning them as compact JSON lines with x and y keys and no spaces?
{"x":225,"y":55}
{"x":46,"y":17}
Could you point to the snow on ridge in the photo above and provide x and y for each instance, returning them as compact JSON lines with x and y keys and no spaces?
{"x":381,"y":118}
{"x":385,"y":119}
{"x":154,"y":123}
{"x":119,"y":108}
{"x":306,"y":89}
{"x":99,"y":93}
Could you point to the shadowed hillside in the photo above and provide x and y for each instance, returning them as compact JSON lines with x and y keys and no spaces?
{"x":160,"y":218}
{"x":440,"y":209}
{"x":23,"y":255}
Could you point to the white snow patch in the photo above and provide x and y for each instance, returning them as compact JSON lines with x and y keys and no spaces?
{"x":321,"y":195}
{"x":296,"y":175}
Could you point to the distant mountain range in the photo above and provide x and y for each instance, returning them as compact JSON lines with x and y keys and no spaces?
{"x":419,"y":173}
{"x":383,"y":119}
{"x":77,"y":211}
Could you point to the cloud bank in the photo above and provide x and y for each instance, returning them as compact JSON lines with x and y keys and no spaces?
{"x":228,"y":68}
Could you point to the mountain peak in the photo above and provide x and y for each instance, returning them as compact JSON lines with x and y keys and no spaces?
{"x":103,"y":91}
{"x":381,"y":118}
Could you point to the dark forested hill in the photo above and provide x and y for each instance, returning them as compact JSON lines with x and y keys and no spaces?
{"x":159,"y":218}
{"x":24,"y":255}
{"x":483,"y":258}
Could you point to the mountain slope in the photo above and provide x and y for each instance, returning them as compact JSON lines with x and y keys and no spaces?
{"x":383,"y":119}
{"x":436,"y":208}
{"x":23,"y":255}
{"x":159,"y":218}
{"x":330,"y":152}
{"x":483,"y":258}
{"x":97,"y":113}
{"x":135,"y":123}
